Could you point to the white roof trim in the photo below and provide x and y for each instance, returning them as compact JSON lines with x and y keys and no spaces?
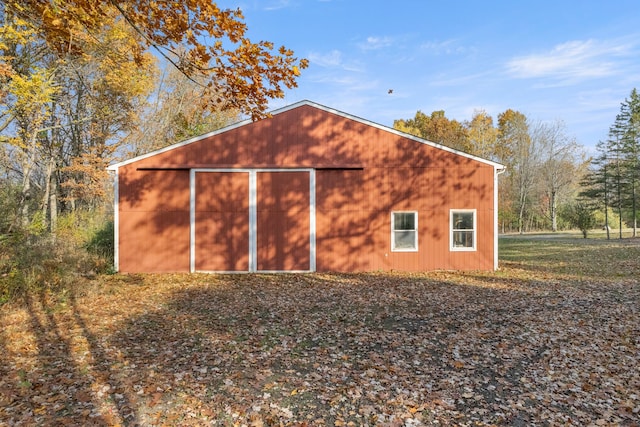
{"x":498,"y":166}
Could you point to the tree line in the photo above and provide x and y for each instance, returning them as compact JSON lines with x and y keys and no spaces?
{"x":611,"y":184}
{"x":84,"y":83}
{"x":550,"y":182}
{"x":543,"y":163}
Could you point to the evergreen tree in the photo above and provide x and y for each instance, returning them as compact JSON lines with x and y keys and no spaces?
{"x":629,"y":127}
{"x":597,"y":185}
{"x":614,"y":153}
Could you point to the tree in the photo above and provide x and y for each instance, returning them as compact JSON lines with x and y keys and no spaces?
{"x":615,"y":154}
{"x":517,"y":150}
{"x":558,"y":164}
{"x":207,"y":44}
{"x":176,"y":112}
{"x":581,"y":215}
{"x":436,"y":128}
{"x":64,"y":113}
{"x":28,"y":90}
{"x":628,"y":128}
{"x":104,"y":95}
{"x":596,"y":183}
{"x":76,"y":75}
{"x":482,"y":135}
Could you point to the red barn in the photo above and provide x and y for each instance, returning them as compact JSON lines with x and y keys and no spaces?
{"x":309,"y":189}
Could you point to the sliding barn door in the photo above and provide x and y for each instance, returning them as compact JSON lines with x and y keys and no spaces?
{"x":222,"y":221}
{"x":252,"y":220}
{"x":283,"y":215}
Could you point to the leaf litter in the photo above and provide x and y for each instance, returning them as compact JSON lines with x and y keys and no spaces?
{"x":516,"y":347}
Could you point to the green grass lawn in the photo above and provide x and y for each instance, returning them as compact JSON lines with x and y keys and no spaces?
{"x":571,"y":255}
{"x":552,"y":338}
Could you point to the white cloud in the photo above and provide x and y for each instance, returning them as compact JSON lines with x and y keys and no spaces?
{"x":571,"y":61}
{"x":277,"y":5}
{"x":375,"y":43}
{"x":333,"y":59}
{"x":330,"y":59}
{"x":447,"y":47}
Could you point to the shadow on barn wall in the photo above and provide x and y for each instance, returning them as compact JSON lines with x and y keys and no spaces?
{"x":362,"y":174}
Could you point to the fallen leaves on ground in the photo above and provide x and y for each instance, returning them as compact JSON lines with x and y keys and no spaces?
{"x":515,"y":347}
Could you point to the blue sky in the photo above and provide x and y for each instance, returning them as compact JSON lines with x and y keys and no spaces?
{"x":574,"y":61}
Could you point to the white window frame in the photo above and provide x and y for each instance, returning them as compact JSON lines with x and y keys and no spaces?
{"x":393,"y":230}
{"x":452,"y":230}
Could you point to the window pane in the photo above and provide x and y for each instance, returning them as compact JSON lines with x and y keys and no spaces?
{"x":404,"y":221}
{"x":463,"y":239}
{"x":405,"y":239}
{"x":463,"y":220}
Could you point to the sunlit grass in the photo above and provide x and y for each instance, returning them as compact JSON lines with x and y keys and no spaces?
{"x":595,"y":258}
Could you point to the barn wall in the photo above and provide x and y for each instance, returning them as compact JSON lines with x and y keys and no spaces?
{"x":221,"y":221}
{"x":354,"y":218}
{"x":283,"y":215}
{"x":362,"y":174}
{"x":153,"y":230}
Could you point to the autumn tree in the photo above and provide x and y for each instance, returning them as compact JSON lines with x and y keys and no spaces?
{"x":64,"y":112}
{"x":206,"y":43}
{"x":436,"y":128}
{"x":76,"y":74}
{"x":28,"y":90}
{"x":103,"y":94}
{"x":482,"y":135}
{"x":517,"y":150}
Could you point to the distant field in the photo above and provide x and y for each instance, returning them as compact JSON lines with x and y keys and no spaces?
{"x":552,"y":338}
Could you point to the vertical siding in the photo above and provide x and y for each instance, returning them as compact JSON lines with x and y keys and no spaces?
{"x":153,"y":220}
{"x":222,"y":221}
{"x":283,"y":221}
{"x":343,"y":221}
{"x":353,"y":204}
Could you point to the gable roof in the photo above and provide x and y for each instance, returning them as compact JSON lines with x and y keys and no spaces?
{"x":496,"y":165}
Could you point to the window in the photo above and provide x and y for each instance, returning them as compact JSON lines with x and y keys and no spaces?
{"x":463,"y":230}
{"x":404,"y":231}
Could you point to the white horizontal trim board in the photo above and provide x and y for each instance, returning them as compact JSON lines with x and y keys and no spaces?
{"x":252,"y":175}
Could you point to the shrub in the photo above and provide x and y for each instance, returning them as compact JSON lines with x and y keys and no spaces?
{"x":581,"y":216}
{"x":102,"y":242}
{"x":33,"y":261}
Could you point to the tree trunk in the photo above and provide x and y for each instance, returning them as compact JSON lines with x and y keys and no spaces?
{"x":633,"y":210}
{"x":521,"y":212}
{"x":619,"y":188}
{"x":53,"y":204}
{"x":553,"y":202}
{"x":606,"y":204}
{"x":27,"y":169}
{"x":25,"y":196}
{"x":45,"y":205}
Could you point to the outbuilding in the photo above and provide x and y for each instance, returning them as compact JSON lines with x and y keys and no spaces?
{"x":308,"y":189}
